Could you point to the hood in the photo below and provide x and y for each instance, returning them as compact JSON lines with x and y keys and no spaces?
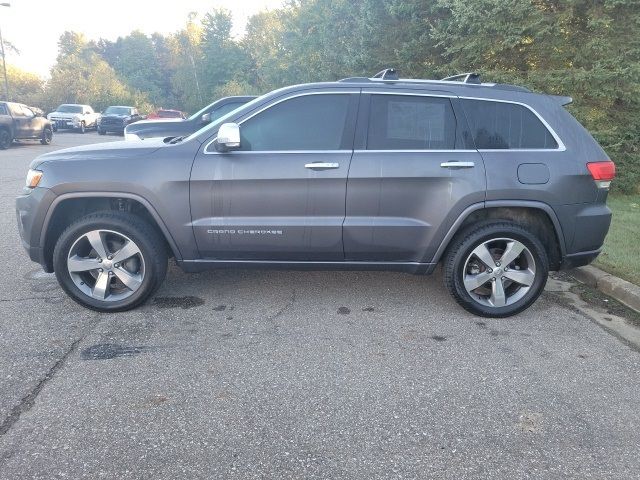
{"x":64,"y":114}
{"x":115,"y":115}
{"x":101,"y":151}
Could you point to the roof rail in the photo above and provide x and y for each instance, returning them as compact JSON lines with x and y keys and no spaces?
{"x":387,"y":74}
{"x":470,"y":77}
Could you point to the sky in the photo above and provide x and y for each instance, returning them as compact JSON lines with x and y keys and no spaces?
{"x":34,"y":26}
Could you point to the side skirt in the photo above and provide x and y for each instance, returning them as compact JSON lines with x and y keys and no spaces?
{"x":415,"y":268}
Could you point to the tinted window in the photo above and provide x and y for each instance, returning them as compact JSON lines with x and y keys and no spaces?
{"x":310,"y":122}
{"x":3,"y":109}
{"x":498,"y":125}
{"x":223,"y":110}
{"x":399,"y":122}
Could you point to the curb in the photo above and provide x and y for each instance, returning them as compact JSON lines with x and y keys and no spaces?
{"x":623,"y":291}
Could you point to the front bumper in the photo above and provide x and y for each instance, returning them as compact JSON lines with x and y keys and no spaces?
{"x":31,"y":210}
{"x":62,"y":124}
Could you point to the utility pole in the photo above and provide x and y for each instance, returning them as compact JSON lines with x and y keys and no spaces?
{"x":4,"y":59}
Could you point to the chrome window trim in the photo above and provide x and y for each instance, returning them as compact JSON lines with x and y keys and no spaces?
{"x":560,"y":148}
{"x":301,"y":94}
{"x":416,"y":151}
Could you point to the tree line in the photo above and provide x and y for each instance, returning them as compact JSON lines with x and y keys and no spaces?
{"x":589,"y":49}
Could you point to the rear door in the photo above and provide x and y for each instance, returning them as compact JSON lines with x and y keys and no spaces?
{"x":282,"y":195}
{"x":412,"y":174}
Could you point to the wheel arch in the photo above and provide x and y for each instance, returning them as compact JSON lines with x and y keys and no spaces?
{"x":68,"y":207}
{"x":537,"y":216}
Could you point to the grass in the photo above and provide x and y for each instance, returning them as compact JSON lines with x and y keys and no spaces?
{"x":621,"y":254}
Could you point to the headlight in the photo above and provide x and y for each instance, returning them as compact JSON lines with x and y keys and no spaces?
{"x":33,"y":178}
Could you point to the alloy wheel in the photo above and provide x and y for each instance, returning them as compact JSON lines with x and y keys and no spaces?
{"x":106,"y":265}
{"x":499,"y":272}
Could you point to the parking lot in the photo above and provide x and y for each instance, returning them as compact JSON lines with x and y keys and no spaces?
{"x":276,"y":374}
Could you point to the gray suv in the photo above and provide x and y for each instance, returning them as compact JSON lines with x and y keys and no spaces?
{"x":496,"y":183}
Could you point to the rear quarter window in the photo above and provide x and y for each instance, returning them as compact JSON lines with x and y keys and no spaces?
{"x":500,"y":125}
{"x":3,"y":109}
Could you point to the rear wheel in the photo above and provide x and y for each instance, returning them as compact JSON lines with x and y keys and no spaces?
{"x":83,"y":127}
{"x":5,"y":139}
{"x":101,"y":131}
{"x":47,"y":136}
{"x":110,"y":262}
{"x":496,"y":269}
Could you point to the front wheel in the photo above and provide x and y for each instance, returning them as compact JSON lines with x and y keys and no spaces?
{"x":496,"y":269}
{"x":83,"y":127}
{"x":110,"y":261}
{"x":101,"y":131}
{"x":47,"y":136}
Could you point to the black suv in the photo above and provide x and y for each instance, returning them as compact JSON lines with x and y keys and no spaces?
{"x":496,"y":183}
{"x":116,"y":118}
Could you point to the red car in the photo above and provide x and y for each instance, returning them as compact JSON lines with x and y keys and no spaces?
{"x":166,"y":114}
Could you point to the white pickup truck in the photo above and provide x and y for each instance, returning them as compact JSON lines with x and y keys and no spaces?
{"x":74,"y":116}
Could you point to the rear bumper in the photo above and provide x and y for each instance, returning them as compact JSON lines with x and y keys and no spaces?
{"x":579,"y":259}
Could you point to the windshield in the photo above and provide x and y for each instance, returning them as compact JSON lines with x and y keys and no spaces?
{"x":201,"y":112}
{"x":117,"y":111}
{"x":169,"y":114}
{"x":69,"y":109}
{"x":214,"y":125}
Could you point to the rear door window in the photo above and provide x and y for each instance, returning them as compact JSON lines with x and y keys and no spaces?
{"x":501,"y":125}
{"x":411,"y":122}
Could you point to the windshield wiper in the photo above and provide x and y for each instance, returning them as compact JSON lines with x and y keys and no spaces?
{"x":177,"y":139}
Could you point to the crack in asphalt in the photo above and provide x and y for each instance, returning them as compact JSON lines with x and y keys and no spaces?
{"x":29,"y":298}
{"x":28,"y":401}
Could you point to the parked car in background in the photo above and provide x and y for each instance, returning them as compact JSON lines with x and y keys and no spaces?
{"x":73,"y":116}
{"x":116,"y":118}
{"x":176,"y":128}
{"x":20,"y":122}
{"x":162,"y":113}
{"x":497,"y":183}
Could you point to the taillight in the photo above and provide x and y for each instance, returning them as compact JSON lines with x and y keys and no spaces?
{"x":602,"y":172}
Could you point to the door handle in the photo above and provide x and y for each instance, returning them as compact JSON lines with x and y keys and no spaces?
{"x":321,"y":165}
{"x":457,"y":164}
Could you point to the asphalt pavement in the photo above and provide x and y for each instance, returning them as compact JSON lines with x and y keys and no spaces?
{"x":273,"y":374}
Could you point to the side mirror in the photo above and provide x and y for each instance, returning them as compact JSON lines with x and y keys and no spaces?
{"x":206,"y":118}
{"x":228,"y":137}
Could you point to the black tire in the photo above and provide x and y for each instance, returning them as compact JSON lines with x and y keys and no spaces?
{"x":55,"y":127}
{"x":5,"y":139}
{"x":461,"y":249}
{"x":47,"y":136}
{"x":83,"y":127}
{"x":101,"y":131}
{"x":149,"y":241}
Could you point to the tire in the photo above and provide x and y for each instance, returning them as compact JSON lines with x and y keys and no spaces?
{"x":83,"y":127}
{"x":47,"y":136}
{"x":55,"y":127}
{"x":5,"y":139}
{"x":101,"y":131}
{"x":521,"y":280}
{"x":99,"y":284}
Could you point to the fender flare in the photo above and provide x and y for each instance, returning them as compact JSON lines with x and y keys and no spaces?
{"x":146,"y":204}
{"x":501,"y":204}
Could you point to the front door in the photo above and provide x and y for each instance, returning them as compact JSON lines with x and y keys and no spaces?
{"x":412,"y":174}
{"x":281,"y":196}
